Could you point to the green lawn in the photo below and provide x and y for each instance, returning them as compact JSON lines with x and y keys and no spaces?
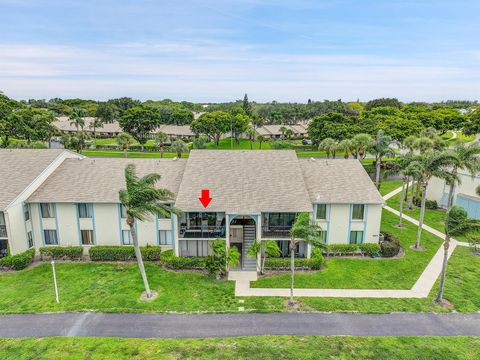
{"x":228,"y":144}
{"x":130,"y":154}
{"x":113,"y":142}
{"x":367,"y":273}
{"x":258,"y":347}
{"x":388,"y":186}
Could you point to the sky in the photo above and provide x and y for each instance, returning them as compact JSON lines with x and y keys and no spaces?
{"x":218,"y":50}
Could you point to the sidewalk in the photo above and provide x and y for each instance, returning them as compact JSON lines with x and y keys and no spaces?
{"x":420,"y":289}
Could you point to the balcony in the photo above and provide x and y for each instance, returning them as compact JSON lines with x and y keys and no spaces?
{"x":201,"y":232}
{"x":3,"y":231}
{"x":276,"y":232}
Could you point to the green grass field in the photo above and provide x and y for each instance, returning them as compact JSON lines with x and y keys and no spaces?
{"x":368,"y":273}
{"x":130,"y":154}
{"x":258,"y":347}
{"x":388,"y":186}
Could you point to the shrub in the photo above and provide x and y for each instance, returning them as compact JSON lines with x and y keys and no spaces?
{"x":317,"y":255}
{"x":429,"y":204}
{"x":62,"y":252}
{"x":19,"y":261}
{"x":342,"y":249}
{"x":369,"y":249}
{"x":123,"y":253}
{"x":180,"y":262}
{"x":301,"y":264}
{"x":390,"y":246}
{"x":166,"y":255}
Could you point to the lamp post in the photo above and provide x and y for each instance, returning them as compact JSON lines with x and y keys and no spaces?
{"x":55,"y":282}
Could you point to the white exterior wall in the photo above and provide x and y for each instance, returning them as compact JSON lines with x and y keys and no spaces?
{"x":438,"y":189}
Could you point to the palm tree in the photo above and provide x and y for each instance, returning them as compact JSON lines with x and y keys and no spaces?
{"x":162,"y":138}
{"x":179,"y":147}
{"x":381,"y":149}
{"x":96,"y":123}
{"x":250,"y":133}
{"x":427,"y":165}
{"x":423,"y":144}
{"x":346,"y":146}
{"x":361,"y":144}
{"x":329,"y":146}
{"x":124,"y":141}
{"x":468,"y":157}
{"x":283,"y":130}
{"x":265,"y":248}
{"x":77,"y":118}
{"x":289,"y":133}
{"x":457,"y":223}
{"x":302,"y":230}
{"x":260,"y":139}
{"x":142,"y":199}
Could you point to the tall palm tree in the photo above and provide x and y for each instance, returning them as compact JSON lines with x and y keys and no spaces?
{"x":381,"y":148}
{"x":362,"y":143}
{"x":468,"y":157}
{"x":179,"y":147}
{"x":96,"y":123}
{"x":329,"y":146}
{"x":260,"y":139}
{"x":77,"y":118}
{"x":251,"y":134}
{"x":142,"y":199}
{"x":124,"y":141}
{"x":283,"y":130}
{"x":457,"y":223}
{"x":427,"y":165}
{"x":346,"y":146}
{"x":162,"y":138}
{"x":304,"y":229}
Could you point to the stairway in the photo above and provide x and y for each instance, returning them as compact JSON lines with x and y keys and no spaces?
{"x":249,"y":235}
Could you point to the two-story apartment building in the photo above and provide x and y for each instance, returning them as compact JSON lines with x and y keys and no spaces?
{"x":255,"y":195}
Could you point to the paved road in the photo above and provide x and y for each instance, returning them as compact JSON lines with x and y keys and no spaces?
{"x":217,"y":325}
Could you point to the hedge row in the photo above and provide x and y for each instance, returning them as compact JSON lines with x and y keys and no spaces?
{"x":123,"y":253}
{"x":300,"y":264}
{"x":61,"y":252}
{"x":369,"y":249}
{"x":19,"y":261}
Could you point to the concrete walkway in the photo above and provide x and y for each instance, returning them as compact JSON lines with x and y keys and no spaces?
{"x":128,"y":325}
{"x":420,"y":289}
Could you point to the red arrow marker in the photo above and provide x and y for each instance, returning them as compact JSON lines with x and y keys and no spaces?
{"x":205,"y":198}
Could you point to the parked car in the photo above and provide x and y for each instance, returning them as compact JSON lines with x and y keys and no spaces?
{"x":306,"y":142}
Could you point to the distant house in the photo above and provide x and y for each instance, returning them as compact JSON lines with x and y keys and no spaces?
{"x":64,"y":199}
{"x":464,"y":194}
{"x":273,"y":131}
{"x":178,"y":131}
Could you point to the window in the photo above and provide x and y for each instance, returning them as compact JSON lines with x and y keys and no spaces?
{"x":50,"y":237}
{"x":26,"y":212}
{"x":47,"y":210}
{"x":195,"y":248}
{"x":358,"y":211}
{"x":30,"y":239}
{"x":85,"y":211}
{"x":165,"y":237}
{"x":323,"y":236}
{"x":123,"y":212}
{"x":321,"y":211}
{"x":202,"y":219}
{"x":126,"y":240}
{"x":86,"y":237}
{"x":356,"y":237}
{"x":281,"y":219}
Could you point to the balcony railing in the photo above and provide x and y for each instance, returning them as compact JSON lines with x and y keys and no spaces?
{"x":3,"y":231}
{"x":202,"y":232}
{"x":276,"y":232}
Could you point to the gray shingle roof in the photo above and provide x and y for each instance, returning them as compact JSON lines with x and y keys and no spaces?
{"x":339,"y":181}
{"x":244,"y":182}
{"x":19,"y":168}
{"x":100,"y":179}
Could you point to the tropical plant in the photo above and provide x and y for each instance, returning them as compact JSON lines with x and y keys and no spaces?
{"x":427,"y":165}
{"x":362,"y":143}
{"x":283,"y":130}
{"x":456,"y":223}
{"x":96,"y":123}
{"x":222,"y":258}
{"x":303,"y":229}
{"x":266,"y":248}
{"x":329,"y":146}
{"x":162,"y":139}
{"x":468,"y":159}
{"x":381,"y":148}
{"x":346,"y":146}
{"x":289,"y":133}
{"x":124,"y":141}
{"x":200,"y":142}
{"x":179,"y":147}
{"x":251,"y":134}
{"x":77,"y":118}
{"x":423,"y":144}
{"x":141,"y":199}
{"x":260,"y":139}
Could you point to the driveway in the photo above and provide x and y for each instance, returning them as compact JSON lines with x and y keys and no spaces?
{"x":227,"y":325}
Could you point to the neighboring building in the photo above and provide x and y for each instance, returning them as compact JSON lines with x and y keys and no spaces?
{"x":178,"y":131}
{"x":255,"y":195}
{"x":273,"y":131}
{"x":464,"y":194}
